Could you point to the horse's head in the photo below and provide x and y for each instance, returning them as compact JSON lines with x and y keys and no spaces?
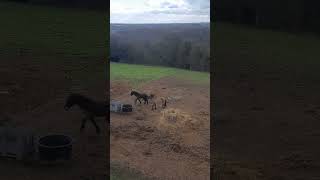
{"x":71,"y":100}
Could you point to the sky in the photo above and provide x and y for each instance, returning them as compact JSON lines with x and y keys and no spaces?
{"x":159,"y":11}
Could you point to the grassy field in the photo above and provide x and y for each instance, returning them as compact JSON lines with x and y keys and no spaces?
{"x":52,"y":32}
{"x":137,"y":74}
{"x":74,"y":39}
{"x":242,"y":45}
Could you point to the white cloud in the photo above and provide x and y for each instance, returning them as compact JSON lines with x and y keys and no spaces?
{"x":159,"y":11}
{"x":159,"y":4}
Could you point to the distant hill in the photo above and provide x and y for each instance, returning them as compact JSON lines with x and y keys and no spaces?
{"x":177,"y":45}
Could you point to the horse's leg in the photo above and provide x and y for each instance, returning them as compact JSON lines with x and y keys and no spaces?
{"x":154,"y":106}
{"x":164,"y":103}
{"x":95,"y":124}
{"x":137,"y":99}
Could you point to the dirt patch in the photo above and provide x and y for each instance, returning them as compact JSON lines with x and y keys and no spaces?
{"x":266,"y":124}
{"x":118,"y":88}
{"x":166,"y":143}
{"x":34,"y":97}
{"x":23,"y":87}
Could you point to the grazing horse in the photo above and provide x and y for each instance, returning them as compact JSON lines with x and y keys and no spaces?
{"x":140,"y":96}
{"x":90,"y":107}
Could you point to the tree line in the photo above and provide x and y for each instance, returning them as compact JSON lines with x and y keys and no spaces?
{"x":180,"y":48}
{"x":292,"y":16}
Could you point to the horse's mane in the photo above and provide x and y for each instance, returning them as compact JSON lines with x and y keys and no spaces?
{"x":135,"y":92}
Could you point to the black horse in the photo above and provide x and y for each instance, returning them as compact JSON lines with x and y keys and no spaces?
{"x":140,"y":96}
{"x":90,"y":107}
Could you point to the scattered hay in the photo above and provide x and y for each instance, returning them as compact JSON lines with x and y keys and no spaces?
{"x":175,"y":121}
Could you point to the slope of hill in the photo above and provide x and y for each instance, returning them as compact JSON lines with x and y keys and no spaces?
{"x":175,"y":45}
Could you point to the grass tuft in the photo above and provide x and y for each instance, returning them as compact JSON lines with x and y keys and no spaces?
{"x":138,"y":74}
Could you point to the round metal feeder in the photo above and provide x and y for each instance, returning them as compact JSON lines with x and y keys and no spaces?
{"x":118,"y":107}
{"x":55,"y":147}
{"x":126,"y":108}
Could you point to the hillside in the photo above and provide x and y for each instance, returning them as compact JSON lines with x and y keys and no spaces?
{"x":174,"y":45}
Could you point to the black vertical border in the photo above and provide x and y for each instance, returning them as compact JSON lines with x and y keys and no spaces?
{"x":107,"y":90}
{"x":212,"y":60}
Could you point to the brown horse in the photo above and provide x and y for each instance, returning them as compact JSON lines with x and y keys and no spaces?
{"x":90,"y":107}
{"x":156,"y":100}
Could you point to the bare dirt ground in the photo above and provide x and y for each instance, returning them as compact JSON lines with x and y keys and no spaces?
{"x":267,"y":124}
{"x":33,"y":96}
{"x":170,"y":143}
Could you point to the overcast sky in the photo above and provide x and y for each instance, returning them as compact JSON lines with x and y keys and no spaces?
{"x":159,"y":11}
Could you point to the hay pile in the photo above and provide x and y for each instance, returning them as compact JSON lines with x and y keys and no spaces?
{"x":175,"y":121}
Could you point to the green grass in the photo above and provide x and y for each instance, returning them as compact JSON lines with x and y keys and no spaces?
{"x":52,"y":32}
{"x":236,"y":45}
{"x":74,"y":39}
{"x":137,"y":74}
